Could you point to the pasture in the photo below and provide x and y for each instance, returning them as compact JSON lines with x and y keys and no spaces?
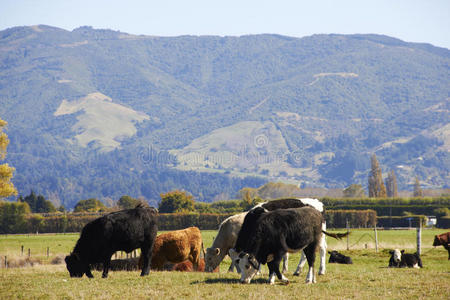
{"x":367,"y":278}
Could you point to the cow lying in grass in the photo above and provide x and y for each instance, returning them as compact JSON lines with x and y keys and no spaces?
{"x":400,"y":259}
{"x":127,"y":264}
{"x":339,"y":258}
{"x":186,"y":266}
{"x":124,"y":230}
{"x":176,"y":247}
{"x":443,"y":240}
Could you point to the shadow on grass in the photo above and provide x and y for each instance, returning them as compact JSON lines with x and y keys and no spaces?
{"x":235,"y":281}
{"x":228,"y":281}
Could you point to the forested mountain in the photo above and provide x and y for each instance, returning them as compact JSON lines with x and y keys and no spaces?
{"x":100,"y":113}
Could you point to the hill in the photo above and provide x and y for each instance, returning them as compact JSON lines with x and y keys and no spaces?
{"x":100,"y":113}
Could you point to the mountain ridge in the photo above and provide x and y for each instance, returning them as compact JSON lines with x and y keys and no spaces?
{"x":335,"y":99}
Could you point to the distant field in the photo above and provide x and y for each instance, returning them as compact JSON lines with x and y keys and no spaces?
{"x":367,"y":278}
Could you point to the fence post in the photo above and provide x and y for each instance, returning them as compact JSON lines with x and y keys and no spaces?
{"x":21,"y":251}
{"x":376,"y":239}
{"x":348,"y":230}
{"x":419,"y":237}
{"x":29,"y":252}
{"x":6,"y":262}
{"x":48,"y":252}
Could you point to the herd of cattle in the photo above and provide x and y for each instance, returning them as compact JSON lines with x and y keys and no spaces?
{"x":263,"y":235}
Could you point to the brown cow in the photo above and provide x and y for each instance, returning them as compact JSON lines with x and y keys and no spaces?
{"x":443,"y":240}
{"x":177,"y":246}
{"x":186,"y":266}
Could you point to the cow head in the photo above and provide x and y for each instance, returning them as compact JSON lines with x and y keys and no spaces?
{"x":247,"y":263}
{"x":75,"y":266}
{"x":437,"y":241}
{"x":396,"y":255}
{"x":212,"y":259}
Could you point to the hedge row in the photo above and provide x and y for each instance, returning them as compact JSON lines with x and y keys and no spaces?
{"x":435,"y":201}
{"x":335,"y":219}
{"x":396,"y":221}
{"x":355,"y":218}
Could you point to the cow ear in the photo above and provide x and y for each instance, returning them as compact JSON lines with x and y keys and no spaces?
{"x":391,"y":252}
{"x":402,"y":251}
{"x":329,"y":252}
{"x":217,"y":251}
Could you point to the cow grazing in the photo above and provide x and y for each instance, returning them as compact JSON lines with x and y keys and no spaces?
{"x":276,"y":233}
{"x":224,"y":241}
{"x":339,"y":258}
{"x":400,"y":259}
{"x":124,"y":230}
{"x":176,"y":247}
{"x":186,"y":266}
{"x":443,"y":240}
{"x":248,"y":226}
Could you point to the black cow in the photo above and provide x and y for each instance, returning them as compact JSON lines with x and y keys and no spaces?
{"x":276,"y":233}
{"x":248,"y":228}
{"x":124,"y":230}
{"x":339,"y":258}
{"x":400,"y":259}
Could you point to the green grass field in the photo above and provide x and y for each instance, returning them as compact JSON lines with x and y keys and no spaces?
{"x":367,"y":278}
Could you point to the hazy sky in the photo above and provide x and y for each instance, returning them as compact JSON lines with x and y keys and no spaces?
{"x":410,"y":20}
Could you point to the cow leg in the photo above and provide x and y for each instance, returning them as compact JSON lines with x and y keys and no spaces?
{"x":274,"y":269}
{"x":271,"y":272}
{"x":323,"y":251}
{"x":285,"y":263}
{"x":146,"y":255}
{"x":88,"y":272}
{"x":106,"y":263}
{"x":231,"y":268}
{"x":300,"y":265}
{"x":448,"y":249}
{"x":310,"y":252}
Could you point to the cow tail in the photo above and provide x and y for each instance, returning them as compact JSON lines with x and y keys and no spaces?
{"x":337,"y":236}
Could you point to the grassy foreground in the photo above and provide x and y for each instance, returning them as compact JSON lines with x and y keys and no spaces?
{"x":367,"y":278}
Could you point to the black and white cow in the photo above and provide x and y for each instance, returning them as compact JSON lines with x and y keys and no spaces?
{"x":247,"y":229}
{"x":400,"y":259}
{"x":339,"y":258}
{"x":277,"y":233}
{"x":123,"y":230}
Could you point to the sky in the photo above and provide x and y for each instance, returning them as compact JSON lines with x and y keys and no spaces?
{"x":425,"y":21}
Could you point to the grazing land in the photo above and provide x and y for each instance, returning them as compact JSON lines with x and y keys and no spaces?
{"x":367,"y":278}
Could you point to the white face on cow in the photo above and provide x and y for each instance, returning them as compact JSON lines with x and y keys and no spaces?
{"x":396,"y":255}
{"x":247,"y":263}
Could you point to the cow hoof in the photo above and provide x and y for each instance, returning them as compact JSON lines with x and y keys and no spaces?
{"x":285,"y":282}
{"x":296,"y":274}
{"x":322,"y":273}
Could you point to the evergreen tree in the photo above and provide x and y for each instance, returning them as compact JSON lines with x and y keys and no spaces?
{"x":391,"y":185}
{"x":38,"y":203}
{"x":6,"y":172}
{"x":376,"y":185}
{"x":417,"y":189}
